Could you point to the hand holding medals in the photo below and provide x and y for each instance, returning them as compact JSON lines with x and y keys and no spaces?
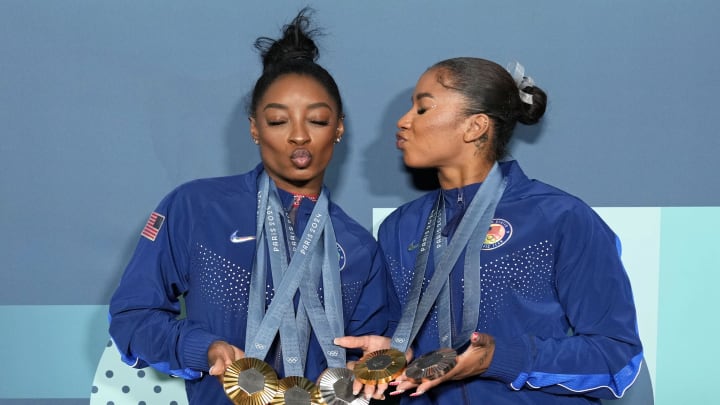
{"x":431,"y":366}
{"x":377,"y":367}
{"x":441,"y":365}
{"x":380,"y":367}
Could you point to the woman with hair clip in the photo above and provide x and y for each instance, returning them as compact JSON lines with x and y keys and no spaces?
{"x":268,"y":266}
{"x":522,"y":280}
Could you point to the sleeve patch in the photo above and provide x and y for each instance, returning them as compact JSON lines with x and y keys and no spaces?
{"x":153,"y":225}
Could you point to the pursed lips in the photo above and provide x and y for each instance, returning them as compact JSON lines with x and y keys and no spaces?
{"x":399,"y":140}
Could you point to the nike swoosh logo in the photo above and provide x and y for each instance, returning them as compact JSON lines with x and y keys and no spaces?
{"x":235,"y":238}
{"x":412,"y":246}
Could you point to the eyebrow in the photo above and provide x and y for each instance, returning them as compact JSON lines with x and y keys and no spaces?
{"x":422,"y":95}
{"x":320,"y":104}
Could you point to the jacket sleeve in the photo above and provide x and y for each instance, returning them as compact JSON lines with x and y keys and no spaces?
{"x":145,"y":310}
{"x":601,"y":356}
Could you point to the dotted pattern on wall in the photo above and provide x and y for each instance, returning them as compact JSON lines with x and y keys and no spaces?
{"x":116,"y":383}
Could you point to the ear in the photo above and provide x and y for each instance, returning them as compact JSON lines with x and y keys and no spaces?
{"x":340,"y":129}
{"x":477,"y":126}
{"x":253,"y":131}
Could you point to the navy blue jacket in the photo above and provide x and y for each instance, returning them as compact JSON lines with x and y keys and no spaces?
{"x":203,"y":250}
{"x":554,"y":295}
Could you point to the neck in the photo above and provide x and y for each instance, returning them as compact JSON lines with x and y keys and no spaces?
{"x":305,"y":188}
{"x":456,"y":177}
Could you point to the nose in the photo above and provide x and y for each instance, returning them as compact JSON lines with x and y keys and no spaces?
{"x":404,"y":121}
{"x":299,"y":135}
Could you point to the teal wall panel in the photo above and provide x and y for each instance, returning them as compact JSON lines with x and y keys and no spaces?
{"x":688,"y":327}
{"x":50,"y":351}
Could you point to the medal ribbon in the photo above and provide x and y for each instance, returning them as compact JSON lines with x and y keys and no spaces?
{"x":473,"y":226}
{"x":263,"y":326}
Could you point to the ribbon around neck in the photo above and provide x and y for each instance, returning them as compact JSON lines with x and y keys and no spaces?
{"x":293,"y":264}
{"x":473,"y":225}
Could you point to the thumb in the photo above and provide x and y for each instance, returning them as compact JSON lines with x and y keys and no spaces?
{"x":478,"y":339}
{"x":351,"y":342}
{"x":238,"y":354}
{"x":218,"y":368}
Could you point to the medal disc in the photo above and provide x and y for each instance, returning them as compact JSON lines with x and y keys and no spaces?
{"x":296,"y":390}
{"x":380,"y":367}
{"x":336,"y":386}
{"x":432,"y":365}
{"x":250,"y":381}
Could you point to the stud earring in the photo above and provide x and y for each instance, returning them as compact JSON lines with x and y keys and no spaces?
{"x":337,"y":140}
{"x":257,"y":142}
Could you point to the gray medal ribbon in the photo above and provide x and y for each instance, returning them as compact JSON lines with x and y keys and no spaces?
{"x":327,"y":322}
{"x":476,"y":221}
{"x":294,"y":331}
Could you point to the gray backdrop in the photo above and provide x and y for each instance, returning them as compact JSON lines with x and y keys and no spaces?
{"x":106,"y":106}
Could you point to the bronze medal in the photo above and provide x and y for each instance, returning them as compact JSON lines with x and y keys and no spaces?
{"x":336,"y":386}
{"x":296,"y":390}
{"x":250,"y":381}
{"x":380,"y":367}
{"x":432,"y":365}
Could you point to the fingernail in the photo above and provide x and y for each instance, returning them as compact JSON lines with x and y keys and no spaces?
{"x":355,"y":393}
{"x":335,"y":341}
{"x":417,"y":393}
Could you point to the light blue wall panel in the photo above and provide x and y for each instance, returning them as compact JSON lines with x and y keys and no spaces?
{"x":687,"y":328}
{"x":50,"y":351}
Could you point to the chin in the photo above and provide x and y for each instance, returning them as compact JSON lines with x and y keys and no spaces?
{"x":413,"y":164}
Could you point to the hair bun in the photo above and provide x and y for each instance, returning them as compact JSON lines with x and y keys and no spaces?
{"x":296,"y":44}
{"x":531,"y":113}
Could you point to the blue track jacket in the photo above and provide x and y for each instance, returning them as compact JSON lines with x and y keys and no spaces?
{"x":554,"y":295}
{"x":203,"y":249}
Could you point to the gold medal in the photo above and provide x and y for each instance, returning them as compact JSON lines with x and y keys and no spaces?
{"x":432,"y":365}
{"x":295,"y":390}
{"x":250,"y":381}
{"x":336,"y":386}
{"x":380,"y":367}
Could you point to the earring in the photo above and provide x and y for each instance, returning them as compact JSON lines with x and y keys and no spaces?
{"x":337,"y":140}
{"x":257,"y":142}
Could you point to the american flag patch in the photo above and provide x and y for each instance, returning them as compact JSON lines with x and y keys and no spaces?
{"x":153,"y":225}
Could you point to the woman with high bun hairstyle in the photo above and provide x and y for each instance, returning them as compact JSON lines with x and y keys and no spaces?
{"x":524,"y":281}
{"x":269,"y":268}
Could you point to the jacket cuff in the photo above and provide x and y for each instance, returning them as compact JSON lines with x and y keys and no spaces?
{"x":508,"y":360}
{"x":195,"y":347}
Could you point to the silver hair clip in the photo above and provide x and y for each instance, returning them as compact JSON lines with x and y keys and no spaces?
{"x":518,"y":73}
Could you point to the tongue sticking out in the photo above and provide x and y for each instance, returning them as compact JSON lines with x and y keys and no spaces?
{"x":301,"y":158}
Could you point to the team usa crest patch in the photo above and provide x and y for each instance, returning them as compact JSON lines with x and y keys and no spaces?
{"x":153,"y":225}
{"x":499,"y":233}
